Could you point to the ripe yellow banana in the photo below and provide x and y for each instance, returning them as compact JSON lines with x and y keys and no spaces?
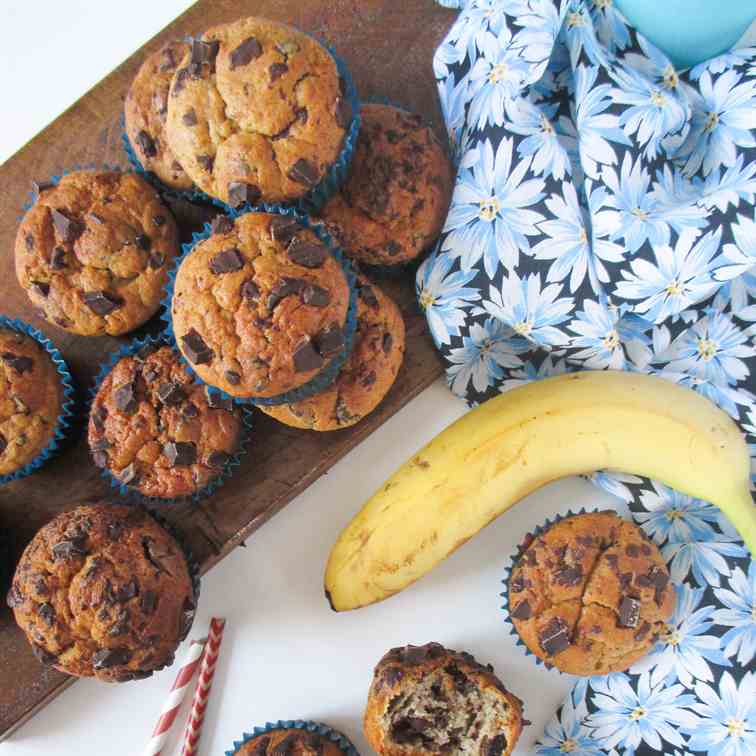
{"x":498,"y":453}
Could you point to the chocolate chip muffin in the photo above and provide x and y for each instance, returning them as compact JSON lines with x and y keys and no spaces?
{"x":394,"y":202}
{"x":146,"y":111}
{"x":289,"y":742}
{"x":430,"y":700}
{"x":367,"y":375}
{"x":93,"y":252}
{"x":104,"y":591}
{"x":257,"y":112}
{"x":31,"y":400}
{"x":590,"y":594}
{"x":158,"y":430}
{"x":259,"y":307}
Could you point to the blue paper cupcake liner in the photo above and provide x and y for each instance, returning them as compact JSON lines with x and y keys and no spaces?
{"x":131,"y":348}
{"x":341,"y":740}
{"x":66,"y":415}
{"x":329,"y":373}
{"x":310,"y":202}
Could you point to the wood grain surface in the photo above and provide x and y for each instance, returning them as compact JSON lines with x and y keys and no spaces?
{"x":388,"y":47}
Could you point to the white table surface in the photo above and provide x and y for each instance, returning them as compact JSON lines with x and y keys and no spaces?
{"x":285,"y":654}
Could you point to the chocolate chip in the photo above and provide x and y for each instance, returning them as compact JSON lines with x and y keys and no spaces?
{"x":147,"y":144}
{"x":101,"y":303}
{"x":316,"y":296}
{"x":218,"y":459}
{"x":180,"y":453}
{"x":171,"y":393}
{"x":68,"y":229}
{"x":148,"y":602}
{"x":569,"y":576}
{"x":304,"y":172}
{"x":613,"y":561}
{"x":58,"y":258}
{"x":129,"y":474}
{"x":179,"y":81}
{"x":626,"y":579}
{"x":277,"y":70}
{"x":555,"y":637}
{"x":221,"y":224}
{"x":642,"y":631}
{"x":522,"y":611}
{"x":246,"y":52}
{"x":628,"y":612}
{"x":233,"y":377}
{"x":121,"y":625}
{"x":283,"y":228}
{"x":227,"y":261}
{"x":250,"y":291}
{"x":240,"y":193}
{"x":128,"y":591}
{"x":42,"y":288}
{"x":143,"y":242}
{"x":98,"y":417}
{"x":343,"y":112}
{"x":158,"y":221}
{"x":659,"y":579}
{"x":307,"y":254}
{"x":189,"y":118}
{"x":388,"y":342}
{"x":156,"y":260}
{"x":330,"y":340}
{"x":632,"y":550}
{"x":18,"y":362}
{"x":70,"y":548}
{"x":42,"y":186}
{"x":367,"y":295}
{"x":14,"y":598}
{"x":206,"y":162}
{"x":204,"y":52}
{"x":306,"y":358}
{"x":197,"y":352}
{"x":110,"y":657}
{"x":393,"y":248}
{"x":284,"y":288}
{"x":125,"y":398}
{"x":46,"y":613}
{"x":43,"y":655}
{"x":100,"y":458}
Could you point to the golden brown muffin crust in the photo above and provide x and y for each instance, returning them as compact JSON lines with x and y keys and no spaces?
{"x":394,"y":202}
{"x":367,"y":375}
{"x":591,"y":594}
{"x":290,"y":742}
{"x":256,"y":112}
{"x":31,"y":396}
{"x":146,"y":111}
{"x":93,"y":252}
{"x":157,"y":429}
{"x":259,"y":307}
{"x":103,"y":591}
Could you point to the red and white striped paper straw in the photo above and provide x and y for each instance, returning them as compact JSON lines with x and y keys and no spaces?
{"x":173,"y":702}
{"x":193,"y":730}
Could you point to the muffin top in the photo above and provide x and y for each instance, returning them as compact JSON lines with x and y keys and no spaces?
{"x":256,"y":112}
{"x":289,"y":742}
{"x":259,"y":307}
{"x":591,"y":594}
{"x":146,"y":111}
{"x":367,"y":375}
{"x":158,"y":430}
{"x":93,"y":252}
{"x":31,"y":398}
{"x":103,"y":591}
{"x":394,"y":202}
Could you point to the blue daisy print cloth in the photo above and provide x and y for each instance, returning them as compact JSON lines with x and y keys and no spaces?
{"x":603,"y":217}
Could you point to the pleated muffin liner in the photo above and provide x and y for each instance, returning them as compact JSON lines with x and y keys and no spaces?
{"x":329,"y":373}
{"x":66,"y":415}
{"x":315,"y":198}
{"x":521,"y":549}
{"x":131,"y":494}
{"x":342,"y":741}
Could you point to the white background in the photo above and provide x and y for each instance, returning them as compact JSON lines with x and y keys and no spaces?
{"x":285,"y":654}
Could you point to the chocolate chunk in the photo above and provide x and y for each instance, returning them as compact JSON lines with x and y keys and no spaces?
{"x":147,"y":144}
{"x":392,"y":675}
{"x":129,"y":474}
{"x":14,"y":598}
{"x":388,"y":342}
{"x":283,"y":229}
{"x":307,"y":254}
{"x":628,"y":612}
{"x":227,"y":261}
{"x":246,"y":52}
{"x":330,"y":340}
{"x":261,"y":746}
{"x":100,"y":458}
{"x":29,"y":241}
{"x":156,"y":260}
{"x":18,"y":362}
{"x":287,"y":747}
{"x":180,"y":453}
{"x":101,"y":303}
{"x":343,"y":112}
{"x":204,"y":52}
{"x":98,"y":417}
{"x":304,"y":172}
{"x":632,"y":550}
{"x":110,"y":657}
{"x":218,"y":459}
{"x":148,"y":602}
{"x":171,"y":393}
{"x":241,"y":193}
{"x":46,"y":613}
{"x":233,"y":377}
{"x":367,"y":295}
{"x":316,"y":296}
{"x":284,"y":288}
{"x":189,"y":118}
{"x":393,"y":248}
{"x":522,"y":611}
{"x":306,"y":358}
{"x":121,"y":625}
{"x":158,"y":221}
{"x":613,"y":561}
{"x":100,"y":445}
{"x":42,"y":288}
{"x":143,"y":242}
{"x":68,"y":229}
{"x":643,"y":581}
{"x":517,"y":584}
{"x":43,"y":655}
{"x":128,"y":591}
{"x":221,"y":224}
{"x":659,"y":578}
{"x":58,"y":258}
{"x":179,"y":81}
{"x":277,"y":70}
{"x":368,"y":381}
{"x":42,"y":186}
{"x":555,"y":637}
{"x":206,"y":162}
{"x":70,"y":548}
{"x":250,"y":291}
{"x":197,"y":352}
{"x":625,"y":580}
{"x":125,"y":398}
{"x":642,"y":631}
{"x":569,"y":575}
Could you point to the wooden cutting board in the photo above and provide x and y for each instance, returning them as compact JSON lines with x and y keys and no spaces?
{"x":388,"y":47}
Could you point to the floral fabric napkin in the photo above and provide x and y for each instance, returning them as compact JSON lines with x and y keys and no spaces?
{"x":603,"y":217}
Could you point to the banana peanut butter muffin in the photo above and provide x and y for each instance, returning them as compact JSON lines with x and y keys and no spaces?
{"x":146,"y":111}
{"x":157,"y":430}
{"x":31,"y":399}
{"x":94,"y":250}
{"x":259,"y":307}
{"x":104,"y":591}
{"x":367,"y":375}
{"x":257,"y":113}
{"x":430,"y":700}
{"x":289,"y":742}
{"x":394,"y":202}
{"x":590,"y":594}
